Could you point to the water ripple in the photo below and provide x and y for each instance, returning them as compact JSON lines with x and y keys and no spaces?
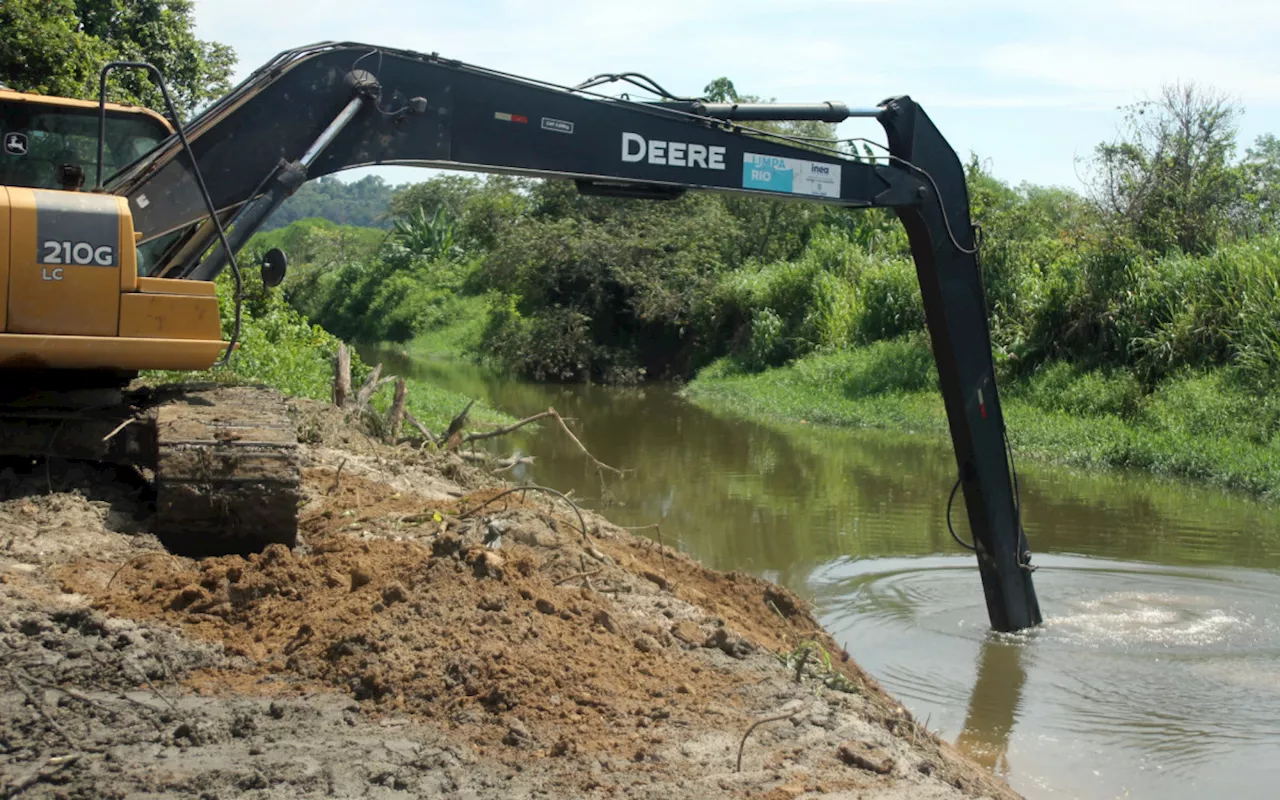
{"x":1169,"y":672}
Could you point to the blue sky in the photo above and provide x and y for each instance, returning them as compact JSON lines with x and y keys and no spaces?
{"x":1029,"y":85}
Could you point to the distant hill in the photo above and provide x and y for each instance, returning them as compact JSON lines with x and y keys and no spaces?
{"x":363,"y":203}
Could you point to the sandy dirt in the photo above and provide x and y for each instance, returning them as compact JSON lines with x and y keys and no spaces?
{"x":427,"y":638}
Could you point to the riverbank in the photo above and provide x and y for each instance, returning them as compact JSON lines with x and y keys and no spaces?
{"x":392,"y":652}
{"x":1201,"y":426}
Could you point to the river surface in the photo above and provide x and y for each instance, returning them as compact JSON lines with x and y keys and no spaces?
{"x":1156,"y":673}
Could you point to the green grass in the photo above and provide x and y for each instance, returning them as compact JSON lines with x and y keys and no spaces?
{"x":1204,"y":426}
{"x":459,"y":338}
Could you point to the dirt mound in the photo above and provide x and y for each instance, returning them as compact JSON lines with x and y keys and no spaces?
{"x":474,"y":636}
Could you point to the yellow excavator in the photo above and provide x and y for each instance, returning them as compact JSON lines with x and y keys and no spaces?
{"x":101,"y":280}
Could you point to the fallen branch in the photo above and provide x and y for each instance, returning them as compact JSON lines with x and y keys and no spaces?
{"x":757,"y":724}
{"x":141,"y":674}
{"x":118,"y":428}
{"x":498,"y":464}
{"x":89,"y":701}
{"x":337,"y":477}
{"x":662,"y":548}
{"x":40,"y":709}
{"x":75,"y":694}
{"x":47,"y":770}
{"x":534,"y":488}
{"x":578,"y":575}
{"x":512,"y":462}
{"x":173,"y":560}
{"x":503,"y":431}
{"x":552,"y":413}
{"x":599,"y":464}
{"x":371,"y":386}
{"x":422,"y":429}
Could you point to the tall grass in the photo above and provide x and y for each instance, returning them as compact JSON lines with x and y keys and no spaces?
{"x":1150,"y":317}
{"x":833,"y":296}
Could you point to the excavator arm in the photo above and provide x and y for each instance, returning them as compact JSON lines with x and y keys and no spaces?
{"x":334,"y":106}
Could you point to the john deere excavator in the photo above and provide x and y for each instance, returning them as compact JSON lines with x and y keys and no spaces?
{"x":98,"y":282}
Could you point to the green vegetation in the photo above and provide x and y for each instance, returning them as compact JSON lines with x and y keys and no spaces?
{"x":58,"y":47}
{"x":1137,"y":327}
{"x":281,"y":349}
{"x":361,"y":203}
{"x":1203,"y":425}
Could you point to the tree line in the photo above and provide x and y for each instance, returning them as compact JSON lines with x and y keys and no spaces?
{"x":1168,"y":260}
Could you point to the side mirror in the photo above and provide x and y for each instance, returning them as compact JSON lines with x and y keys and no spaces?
{"x":274,"y":264}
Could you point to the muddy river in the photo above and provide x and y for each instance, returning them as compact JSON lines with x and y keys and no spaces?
{"x":1156,"y":673}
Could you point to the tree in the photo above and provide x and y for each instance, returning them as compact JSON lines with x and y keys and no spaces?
{"x":58,"y":47}
{"x":363,"y":202}
{"x":449,"y":192}
{"x":720,"y":90}
{"x":1262,"y":181}
{"x":1169,"y":180}
{"x":43,"y":49}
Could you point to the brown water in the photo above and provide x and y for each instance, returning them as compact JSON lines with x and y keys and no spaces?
{"x":1156,"y":673}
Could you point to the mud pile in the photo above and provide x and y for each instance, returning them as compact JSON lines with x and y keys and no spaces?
{"x":433,"y":634}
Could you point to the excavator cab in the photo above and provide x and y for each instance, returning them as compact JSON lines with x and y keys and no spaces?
{"x":73,"y":294}
{"x":43,"y":135}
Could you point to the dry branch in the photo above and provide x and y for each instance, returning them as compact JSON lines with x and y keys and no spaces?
{"x":36,"y":704}
{"x":372,"y":384}
{"x":577,"y":575}
{"x":118,"y":428}
{"x":138,"y":557}
{"x":599,"y":464}
{"x":499,"y":464}
{"x":503,"y":431}
{"x":337,"y":477}
{"x":534,"y":488}
{"x":422,"y":429}
{"x":512,"y":461}
{"x":662,"y":548}
{"x":757,"y":724}
{"x":50,"y":768}
{"x":550,"y":412}
{"x":453,"y":436}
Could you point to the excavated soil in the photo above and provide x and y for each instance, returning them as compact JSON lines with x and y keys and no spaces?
{"x":431,"y":636}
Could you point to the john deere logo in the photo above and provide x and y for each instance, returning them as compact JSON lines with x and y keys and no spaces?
{"x":15,"y":144}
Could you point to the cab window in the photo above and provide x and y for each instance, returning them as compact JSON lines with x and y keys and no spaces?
{"x":37,"y":138}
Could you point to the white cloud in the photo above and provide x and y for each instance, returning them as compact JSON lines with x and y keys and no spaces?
{"x":1102,"y":73}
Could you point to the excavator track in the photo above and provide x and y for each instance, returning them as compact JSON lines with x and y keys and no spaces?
{"x":225,"y":459}
{"x":227,"y":474}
